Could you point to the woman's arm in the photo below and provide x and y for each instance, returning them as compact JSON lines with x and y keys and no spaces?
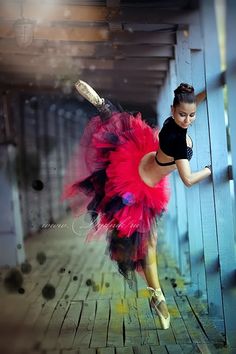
{"x":200,"y":97}
{"x":188,"y":177}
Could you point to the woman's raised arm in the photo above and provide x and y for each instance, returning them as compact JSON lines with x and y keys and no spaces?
{"x":188,"y":177}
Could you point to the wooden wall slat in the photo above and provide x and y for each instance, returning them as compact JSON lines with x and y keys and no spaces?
{"x":231,"y":84}
{"x":222,"y":198}
{"x":183,"y":58}
{"x":209,"y":231}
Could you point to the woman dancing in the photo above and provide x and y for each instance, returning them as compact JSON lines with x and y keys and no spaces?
{"x":122,"y":180}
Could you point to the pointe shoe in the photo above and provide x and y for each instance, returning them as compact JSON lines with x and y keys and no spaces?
{"x":157,"y":298}
{"x":89,"y":93}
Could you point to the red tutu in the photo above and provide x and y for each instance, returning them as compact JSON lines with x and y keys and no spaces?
{"x":102,"y":180}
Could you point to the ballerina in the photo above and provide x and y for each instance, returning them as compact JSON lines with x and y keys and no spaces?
{"x":124,"y":180}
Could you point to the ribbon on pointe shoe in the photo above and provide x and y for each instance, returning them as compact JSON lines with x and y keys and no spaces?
{"x":157,"y":293}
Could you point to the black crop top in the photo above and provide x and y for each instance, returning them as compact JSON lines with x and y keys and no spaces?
{"x":172,"y":140}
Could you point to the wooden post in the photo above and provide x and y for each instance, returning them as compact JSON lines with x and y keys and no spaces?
{"x":222,"y":198}
{"x":231,"y":82}
{"x":11,"y":230}
{"x":183,"y":65}
{"x":205,"y":188}
{"x":180,"y":199}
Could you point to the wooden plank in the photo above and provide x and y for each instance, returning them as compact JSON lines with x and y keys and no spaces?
{"x":83,"y":50}
{"x":53,"y":329}
{"x":191,"y":323}
{"x":230,"y":82}
{"x":59,"y":12}
{"x":88,"y":75}
{"x":84,"y":330}
{"x":124,"y":350}
{"x":95,"y":288}
{"x":189,"y":348}
{"x":71,"y":12}
{"x":198,"y":278}
{"x":131,"y":284}
{"x":204,"y":348}
{"x":118,"y":286}
{"x":144,"y":349}
{"x":180,"y":331}
{"x":84,"y":289}
{"x":158,"y":349}
{"x":73,"y":287}
{"x":206,"y":189}
{"x":135,"y":37}
{"x":147,"y":64}
{"x":107,"y":285}
{"x":106,"y":351}
{"x":156,"y":15}
{"x":69,"y":326}
{"x":178,"y":202}
{"x":200,"y":312}
{"x":57,"y":33}
{"x":174,"y":349}
{"x":165,"y":336}
{"x":172,"y":307}
{"x":222,"y":196}
{"x":167,"y":288}
{"x":87,"y":351}
{"x":132,"y":327}
{"x":115,"y":329}
{"x":147,"y":324}
{"x":99,"y":335}
{"x":42,"y":322}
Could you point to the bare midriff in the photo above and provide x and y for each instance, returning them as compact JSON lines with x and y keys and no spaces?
{"x":150,"y":172}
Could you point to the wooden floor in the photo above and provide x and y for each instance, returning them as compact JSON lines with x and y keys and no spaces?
{"x":93,"y":310}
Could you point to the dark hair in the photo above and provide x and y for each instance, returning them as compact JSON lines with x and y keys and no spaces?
{"x":184,"y":93}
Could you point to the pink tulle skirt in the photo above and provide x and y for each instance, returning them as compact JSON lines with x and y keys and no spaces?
{"x":102,"y":180}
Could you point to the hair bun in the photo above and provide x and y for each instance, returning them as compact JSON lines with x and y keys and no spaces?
{"x":184,"y":88}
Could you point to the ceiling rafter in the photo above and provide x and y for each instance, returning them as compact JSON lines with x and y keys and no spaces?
{"x":121,"y":47}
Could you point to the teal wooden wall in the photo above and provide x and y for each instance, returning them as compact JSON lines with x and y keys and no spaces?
{"x":200,"y":224}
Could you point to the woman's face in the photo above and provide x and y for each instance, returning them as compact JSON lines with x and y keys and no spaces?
{"x":184,"y":114}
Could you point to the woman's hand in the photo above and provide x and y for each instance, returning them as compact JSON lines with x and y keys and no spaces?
{"x":209,"y":167}
{"x":200,"y":97}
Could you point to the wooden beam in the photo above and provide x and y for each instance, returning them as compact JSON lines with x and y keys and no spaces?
{"x":59,"y":33}
{"x":143,"y":37}
{"x":138,"y":76}
{"x":120,"y":97}
{"x":219,"y":153}
{"x":154,"y":15}
{"x":72,"y":65}
{"x":98,"y":85}
{"x":144,"y":99}
{"x":61,"y":13}
{"x":125,"y":74}
{"x":82,"y":50}
{"x":128,"y":90}
{"x":50,"y":12}
{"x":114,"y":26}
{"x":90,"y":34}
